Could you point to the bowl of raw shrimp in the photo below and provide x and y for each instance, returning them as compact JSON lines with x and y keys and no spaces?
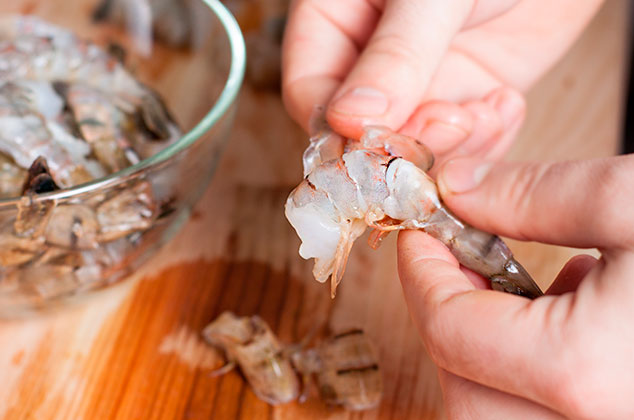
{"x":113,"y":117}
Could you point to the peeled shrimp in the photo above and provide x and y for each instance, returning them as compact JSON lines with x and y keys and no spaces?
{"x":25,"y":134}
{"x":351,"y":185}
{"x":99,"y":123}
{"x":11,"y":177}
{"x":33,"y":49}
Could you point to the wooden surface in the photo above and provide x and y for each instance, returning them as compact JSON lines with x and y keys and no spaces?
{"x":134,"y":352}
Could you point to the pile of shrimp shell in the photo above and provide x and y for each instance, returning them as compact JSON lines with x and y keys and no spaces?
{"x":344,"y":366}
{"x":70,"y":113}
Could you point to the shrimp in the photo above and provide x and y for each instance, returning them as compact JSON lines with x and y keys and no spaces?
{"x":11,"y":177}
{"x":70,"y":113}
{"x":16,"y":250}
{"x":21,"y":240}
{"x":372,"y":184}
{"x":99,"y":123}
{"x":78,"y":226}
{"x":33,"y":49}
{"x":132,"y":209}
{"x":26,"y":135}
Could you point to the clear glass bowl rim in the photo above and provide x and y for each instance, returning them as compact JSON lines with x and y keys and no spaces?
{"x":226,"y":98}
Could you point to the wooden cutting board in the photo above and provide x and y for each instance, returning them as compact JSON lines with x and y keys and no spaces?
{"x":134,"y":351}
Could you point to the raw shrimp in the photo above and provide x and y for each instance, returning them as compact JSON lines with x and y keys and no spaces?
{"x":22,"y":240}
{"x":78,"y":226}
{"x":99,"y":123}
{"x":70,"y":113}
{"x":71,"y":226}
{"x":37,"y":56}
{"x":130,"y":210}
{"x":353,"y":185}
{"x":16,"y":250}
{"x":11,"y":177}
{"x":26,"y":135}
{"x":33,"y":49}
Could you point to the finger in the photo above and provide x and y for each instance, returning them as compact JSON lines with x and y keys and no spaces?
{"x":465,"y":399}
{"x":486,"y":127}
{"x":440,"y":125}
{"x":391,"y":76}
{"x":504,"y":142}
{"x":449,"y":82}
{"x":476,"y":279}
{"x":526,"y":25}
{"x":494,"y":122}
{"x":577,"y":204}
{"x":511,"y":108}
{"x":483,"y":11}
{"x":572,"y":274}
{"x":495,"y":339}
{"x":322,"y":41}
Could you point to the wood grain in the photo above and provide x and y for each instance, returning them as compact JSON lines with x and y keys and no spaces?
{"x":134,"y":351}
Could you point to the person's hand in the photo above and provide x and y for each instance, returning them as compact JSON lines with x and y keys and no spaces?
{"x":567,"y":353}
{"x":377,"y":61}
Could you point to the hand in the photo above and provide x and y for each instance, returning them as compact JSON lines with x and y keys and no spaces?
{"x":567,"y":353}
{"x":377,"y":61}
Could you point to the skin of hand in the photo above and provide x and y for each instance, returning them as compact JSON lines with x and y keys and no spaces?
{"x":389,"y":62}
{"x":566,"y":354}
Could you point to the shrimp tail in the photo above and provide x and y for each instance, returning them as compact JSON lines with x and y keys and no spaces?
{"x":489,"y":256}
{"x":376,"y":237}
{"x":341,"y":258}
{"x":516,"y":279}
{"x":482,"y":252}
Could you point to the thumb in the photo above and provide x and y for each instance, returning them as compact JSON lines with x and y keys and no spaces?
{"x":392,"y":74}
{"x":494,"y":339}
{"x":581,"y":204}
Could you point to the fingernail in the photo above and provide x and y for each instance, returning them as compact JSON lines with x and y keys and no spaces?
{"x":462,"y":175}
{"x":361,"y":101}
{"x":441,"y":136}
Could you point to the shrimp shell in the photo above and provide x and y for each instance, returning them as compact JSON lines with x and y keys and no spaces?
{"x":250,"y":343}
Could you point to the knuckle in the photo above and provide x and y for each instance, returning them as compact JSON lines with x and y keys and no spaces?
{"x":521,"y":190}
{"x":397,"y":50}
{"x":611,"y":191}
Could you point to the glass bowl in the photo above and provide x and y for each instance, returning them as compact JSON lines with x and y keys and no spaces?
{"x":199,"y":83}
